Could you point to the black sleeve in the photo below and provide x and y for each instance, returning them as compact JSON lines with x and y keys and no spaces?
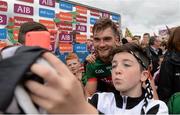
{"x":165,"y":82}
{"x":94,"y":100}
{"x":153,"y":110}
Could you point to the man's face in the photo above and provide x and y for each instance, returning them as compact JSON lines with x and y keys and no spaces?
{"x":157,"y":42}
{"x":145,"y":39}
{"x":104,"y":42}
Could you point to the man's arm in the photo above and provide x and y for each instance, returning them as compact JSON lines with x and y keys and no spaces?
{"x":91,"y":86}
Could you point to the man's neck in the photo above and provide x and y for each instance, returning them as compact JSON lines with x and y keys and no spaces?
{"x":105,"y":60}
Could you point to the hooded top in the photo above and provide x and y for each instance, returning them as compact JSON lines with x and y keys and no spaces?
{"x":14,"y":65}
{"x":169,"y":79}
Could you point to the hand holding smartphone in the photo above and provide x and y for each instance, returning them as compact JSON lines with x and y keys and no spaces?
{"x":38,"y":38}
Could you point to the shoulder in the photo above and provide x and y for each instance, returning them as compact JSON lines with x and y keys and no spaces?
{"x":101,"y":98}
{"x":157,"y":107}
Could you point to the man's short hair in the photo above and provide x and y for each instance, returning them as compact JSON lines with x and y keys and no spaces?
{"x":152,"y":40}
{"x":146,"y":34}
{"x":104,"y":23}
{"x":27,"y":27}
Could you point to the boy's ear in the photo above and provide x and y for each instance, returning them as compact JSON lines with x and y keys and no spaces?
{"x":144,"y":75}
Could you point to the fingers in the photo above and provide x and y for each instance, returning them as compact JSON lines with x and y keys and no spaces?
{"x":58,"y":65}
{"x":43,"y":103}
{"x":44,"y":72}
{"x":91,"y":58}
{"x":38,"y":89}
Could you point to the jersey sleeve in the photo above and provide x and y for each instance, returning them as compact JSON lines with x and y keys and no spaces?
{"x":89,"y":73}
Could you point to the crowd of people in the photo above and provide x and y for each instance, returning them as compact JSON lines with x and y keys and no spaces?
{"x":120,"y":76}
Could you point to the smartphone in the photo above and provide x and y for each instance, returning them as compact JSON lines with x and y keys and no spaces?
{"x":38,"y":38}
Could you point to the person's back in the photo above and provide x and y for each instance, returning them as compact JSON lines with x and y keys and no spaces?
{"x":169,"y":81}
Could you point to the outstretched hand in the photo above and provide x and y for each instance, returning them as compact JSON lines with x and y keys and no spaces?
{"x":62,"y":92}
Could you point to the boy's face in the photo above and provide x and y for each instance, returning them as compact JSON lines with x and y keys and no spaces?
{"x":104,"y":42}
{"x":126,"y":74}
{"x":73,"y":65}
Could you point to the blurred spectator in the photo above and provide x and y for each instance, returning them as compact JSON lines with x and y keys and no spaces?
{"x":169,"y":79}
{"x":74,"y":65}
{"x":145,"y":40}
{"x":153,"y":51}
{"x":27,"y":27}
{"x":137,"y":37}
{"x":129,"y":39}
{"x":135,"y":40}
{"x":163,"y":46}
{"x":90,"y":46}
{"x":124,"y":41}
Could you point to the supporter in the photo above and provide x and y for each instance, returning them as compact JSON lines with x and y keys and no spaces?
{"x":145,"y":40}
{"x":74,"y":65}
{"x":153,"y":51}
{"x":105,"y":39}
{"x":27,"y":27}
{"x":163,"y":47}
{"x":135,"y":40}
{"x":169,"y":82}
{"x":124,"y":41}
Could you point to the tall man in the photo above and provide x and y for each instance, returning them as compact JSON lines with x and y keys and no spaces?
{"x":105,"y":39}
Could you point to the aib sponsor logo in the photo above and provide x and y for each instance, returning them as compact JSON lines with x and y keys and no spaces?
{"x":50,"y":3}
{"x":46,"y":13}
{"x":22,"y":9}
{"x":63,"y":37}
{"x":3,"y":19}
{"x":81,"y":28}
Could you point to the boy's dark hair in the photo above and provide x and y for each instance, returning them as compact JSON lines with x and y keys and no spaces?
{"x":146,"y":34}
{"x":104,"y":23}
{"x":136,"y":51}
{"x":27,"y":27}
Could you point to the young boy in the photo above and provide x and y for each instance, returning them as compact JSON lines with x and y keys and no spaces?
{"x":74,"y":65}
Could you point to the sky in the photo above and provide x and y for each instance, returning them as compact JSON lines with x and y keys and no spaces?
{"x":141,"y":16}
